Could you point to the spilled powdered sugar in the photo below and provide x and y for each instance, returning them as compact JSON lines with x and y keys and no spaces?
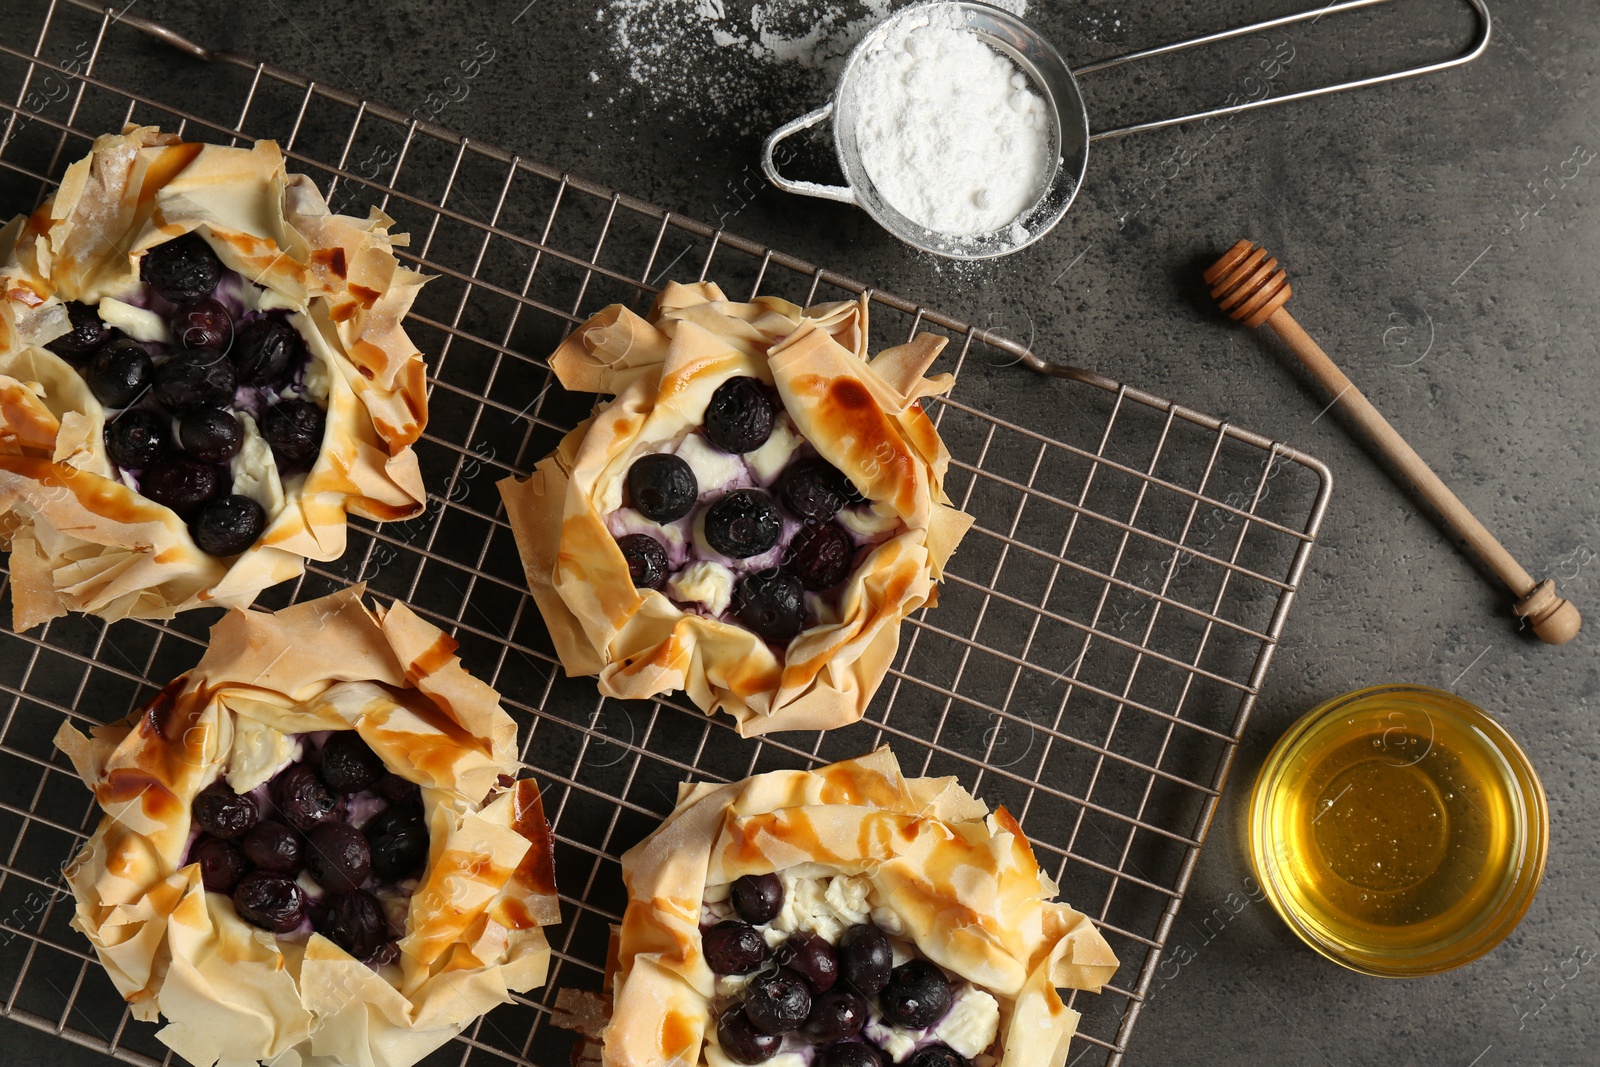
{"x":746,"y":66}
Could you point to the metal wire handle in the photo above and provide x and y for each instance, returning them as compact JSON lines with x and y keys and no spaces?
{"x":844,"y":194}
{"x":1313,"y":15}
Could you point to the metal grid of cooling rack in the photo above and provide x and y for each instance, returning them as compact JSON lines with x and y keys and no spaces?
{"x":1096,"y":653}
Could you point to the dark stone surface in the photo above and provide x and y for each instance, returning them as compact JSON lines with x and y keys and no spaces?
{"x":1403,"y":214}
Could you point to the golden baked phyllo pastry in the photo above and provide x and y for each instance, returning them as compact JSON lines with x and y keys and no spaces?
{"x":314,"y":849}
{"x":844,"y":917}
{"x":751,"y":517}
{"x":202,"y":371}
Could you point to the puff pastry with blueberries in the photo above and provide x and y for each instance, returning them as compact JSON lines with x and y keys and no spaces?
{"x":314,"y":850}
{"x":845,"y":917}
{"x":202,"y":370}
{"x":751,"y":517}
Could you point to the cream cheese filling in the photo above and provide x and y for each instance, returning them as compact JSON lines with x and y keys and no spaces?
{"x":255,"y":472}
{"x":768,"y":461}
{"x":703,"y":582}
{"x":713,"y":469}
{"x":259,"y":752}
{"x":141,"y":324}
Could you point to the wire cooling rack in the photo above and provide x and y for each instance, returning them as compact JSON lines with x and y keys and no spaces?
{"x":1098,"y":647}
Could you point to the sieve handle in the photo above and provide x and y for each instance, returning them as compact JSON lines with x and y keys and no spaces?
{"x":842,"y":193}
{"x":1473,"y":51}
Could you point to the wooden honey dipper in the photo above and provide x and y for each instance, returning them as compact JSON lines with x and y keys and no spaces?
{"x":1248,"y":285}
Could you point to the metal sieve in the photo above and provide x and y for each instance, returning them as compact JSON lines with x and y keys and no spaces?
{"x":1057,"y":83}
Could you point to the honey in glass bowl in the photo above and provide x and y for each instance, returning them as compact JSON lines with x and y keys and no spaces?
{"x":1399,"y":830}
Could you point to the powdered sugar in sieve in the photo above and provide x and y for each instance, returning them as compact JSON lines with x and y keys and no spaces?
{"x":948,"y":129}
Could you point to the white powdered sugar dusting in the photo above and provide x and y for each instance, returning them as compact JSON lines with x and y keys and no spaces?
{"x":947,"y":128}
{"x":716,"y":58}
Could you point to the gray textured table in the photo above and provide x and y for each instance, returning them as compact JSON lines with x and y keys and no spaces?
{"x":1433,"y":254}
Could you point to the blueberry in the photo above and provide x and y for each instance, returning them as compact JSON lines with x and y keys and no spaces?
{"x":812,"y":958}
{"x":210,"y":434}
{"x":733,"y":947}
{"x":937,"y":1056}
{"x":834,"y":1016}
{"x":273,"y":847}
{"x":757,"y":897}
{"x":741,"y":1042}
{"x":135,"y":439}
{"x":87,"y":334}
{"x":813,"y":489}
{"x":647,"y":560}
{"x":821,"y":556}
{"x":119,"y":372}
{"x":851,"y":1054}
{"x":337,"y":857}
{"x":398,"y":839}
{"x":227,"y":525}
{"x":348,"y":763}
{"x":742,"y":524}
{"x":662,"y":487}
{"x":303,"y":800}
{"x":183,"y":269}
{"x":739,"y":417}
{"x":777,"y":1003}
{"x":771,"y":604}
{"x":221,"y":812}
{"x":221,"y":863}
{"x":398,"y":790}
{"x":354,"y":921}
{"x":204,"y":324}
{"x":864,"y":959}
{"x":266,"y":350}
{"x":917,"y":996}
{"x":199,"y":377}
{"x":181,"y":483}
{"x":294,"y":430}
{"x":270,"y":901}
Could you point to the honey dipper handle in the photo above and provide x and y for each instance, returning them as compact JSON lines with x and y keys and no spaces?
{"x":1554,"y":620}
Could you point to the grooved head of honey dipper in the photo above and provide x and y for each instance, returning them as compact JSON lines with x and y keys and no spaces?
{"x":1555,"y":621}
{"x":1247,"y":284}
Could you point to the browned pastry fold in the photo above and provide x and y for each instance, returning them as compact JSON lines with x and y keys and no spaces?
{"x":80,"y":539}
{"x":236,"y":994}
{"x":963,"y":882}
{"x":861,"y":415}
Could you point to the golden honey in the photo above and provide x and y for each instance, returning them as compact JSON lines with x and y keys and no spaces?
{"x":1398,"y":830}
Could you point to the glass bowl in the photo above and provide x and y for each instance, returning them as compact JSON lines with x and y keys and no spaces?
{"x":1399,"y":830}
